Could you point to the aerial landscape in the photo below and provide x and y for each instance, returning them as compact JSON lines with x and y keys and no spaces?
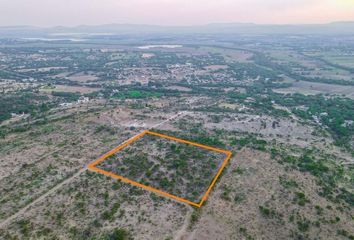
{"x":177,"y":131}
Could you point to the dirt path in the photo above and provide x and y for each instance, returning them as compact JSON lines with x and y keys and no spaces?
{"x":169,"y":119}
{"x":183,"y":230}
{"x":41,"y":158}
{"x":39,"y":199}
{"x":55,"y":188}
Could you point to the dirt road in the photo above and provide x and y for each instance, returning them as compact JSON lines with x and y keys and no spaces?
{"x":55,"y":188}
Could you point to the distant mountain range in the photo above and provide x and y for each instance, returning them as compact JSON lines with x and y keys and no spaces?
{"x":336,"y":28}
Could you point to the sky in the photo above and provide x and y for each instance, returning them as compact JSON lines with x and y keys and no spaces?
{"x":47,"y":13}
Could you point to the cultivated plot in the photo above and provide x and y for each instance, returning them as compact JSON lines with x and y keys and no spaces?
{"x":176,"y":168}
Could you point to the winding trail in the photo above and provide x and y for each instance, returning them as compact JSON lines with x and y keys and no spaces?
{"x":39,"y":199}
{"x":26,"y":208}
{"x":183,"y":230}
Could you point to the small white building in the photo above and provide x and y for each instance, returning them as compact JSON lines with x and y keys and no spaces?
{"x":65,"y":104}
{"x":83,"y":100}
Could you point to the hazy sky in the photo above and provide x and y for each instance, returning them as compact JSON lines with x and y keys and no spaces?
{"x":172,"y":12}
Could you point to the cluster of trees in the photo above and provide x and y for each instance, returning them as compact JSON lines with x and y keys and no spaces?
{"x":251,"y":71}
{"x":138,"y":91}
{"x":68,"y":96}
{"x":335,"y":113}
{"x":22,"y":102}
{"x":250,"y":141}
{"x":119,"y":234}
{"x":328,"y":175}
{"x":136,"y":94}
{"x":263,"y":60}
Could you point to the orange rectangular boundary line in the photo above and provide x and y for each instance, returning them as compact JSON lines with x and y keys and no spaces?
{"x":215,"y":178}
{"x":188,"y":142}
{"x":113,"y":151}
{"x":134,"y":138}
{"x":143,"y":186}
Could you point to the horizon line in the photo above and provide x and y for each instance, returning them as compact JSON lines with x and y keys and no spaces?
{"x":176,"y":26}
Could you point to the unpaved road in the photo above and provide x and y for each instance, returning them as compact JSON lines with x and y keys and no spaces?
{"x":55,"y":188}
{"x":52,"y":190}
{"x":183,"y":230}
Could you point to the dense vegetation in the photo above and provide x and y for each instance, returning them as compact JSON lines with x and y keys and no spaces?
{"x":26,"y":102}
{"x":286,"y":174}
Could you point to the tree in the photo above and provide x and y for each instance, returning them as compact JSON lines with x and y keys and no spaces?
{"x":119,"y":234}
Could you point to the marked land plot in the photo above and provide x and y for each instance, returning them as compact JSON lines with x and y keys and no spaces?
{"x":172,"y":167}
